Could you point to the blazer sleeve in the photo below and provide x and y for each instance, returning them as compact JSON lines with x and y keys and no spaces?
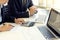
{"x":30,"y":3}
{"x":6,"y":16}
{"x":22,"y":14}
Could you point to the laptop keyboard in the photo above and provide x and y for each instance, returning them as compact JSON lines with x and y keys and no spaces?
{"x":46,"y":33}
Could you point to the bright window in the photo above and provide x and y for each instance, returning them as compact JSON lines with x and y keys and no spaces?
{"x":36,"y":2}
{"x":47,"y":3}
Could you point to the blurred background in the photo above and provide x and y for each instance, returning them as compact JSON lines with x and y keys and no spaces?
{"x":47,"y":4}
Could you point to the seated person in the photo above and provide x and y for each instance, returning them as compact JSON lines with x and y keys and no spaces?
{"x":17,"y":10}
{"x":5,"y":26}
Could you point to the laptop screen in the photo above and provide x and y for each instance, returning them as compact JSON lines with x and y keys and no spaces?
{"x":54,"y":19}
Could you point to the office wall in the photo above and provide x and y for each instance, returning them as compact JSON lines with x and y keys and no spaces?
{"x":57,"y":4}
{"x":36,"y":2}
{"x":47,"y":3}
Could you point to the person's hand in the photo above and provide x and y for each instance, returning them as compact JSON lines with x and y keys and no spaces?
{"x":19,"y":21}
{"x":32,"y":10}
{"x":3,"y":1}
{"x":6,"y":27}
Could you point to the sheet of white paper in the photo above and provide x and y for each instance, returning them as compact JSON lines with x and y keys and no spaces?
{"x":22,"y":33}
{"x":39,"y":17}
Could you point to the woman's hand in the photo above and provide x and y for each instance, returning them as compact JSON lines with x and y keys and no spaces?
{"x":6,"y":27}
{"x":19,"y":21}
{"x":32,"y":10}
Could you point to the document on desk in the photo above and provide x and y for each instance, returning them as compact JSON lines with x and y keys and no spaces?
{"x":13,"y":34}
{"x":22,"y":33}
{"x":32,"y":34}
{"x":39,"y":17}
{"x":29,"y":33}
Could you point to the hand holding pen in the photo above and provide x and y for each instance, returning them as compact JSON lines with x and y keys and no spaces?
{"x":6,"y":27}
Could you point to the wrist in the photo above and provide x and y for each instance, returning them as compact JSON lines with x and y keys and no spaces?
{"x":1,"y":29}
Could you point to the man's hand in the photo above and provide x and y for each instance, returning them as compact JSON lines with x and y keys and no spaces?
{"x":6,"y":27}
{"x":3,"y":1}
{"x":19,"y":21}
{"x":32,"y":10}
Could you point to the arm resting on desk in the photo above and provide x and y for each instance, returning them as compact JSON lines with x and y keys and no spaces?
{"x":5,"y":27}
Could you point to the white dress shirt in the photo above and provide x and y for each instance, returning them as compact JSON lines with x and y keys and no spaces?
{"x":0,"y":14}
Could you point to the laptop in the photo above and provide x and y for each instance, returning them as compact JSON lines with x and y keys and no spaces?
{"x":53,"y":22}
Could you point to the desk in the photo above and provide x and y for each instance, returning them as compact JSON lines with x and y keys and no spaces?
{"x":24,"y":33}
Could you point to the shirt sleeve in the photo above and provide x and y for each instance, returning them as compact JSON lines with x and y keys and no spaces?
{"x":30,"y":3}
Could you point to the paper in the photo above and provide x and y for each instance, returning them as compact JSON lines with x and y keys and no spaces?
{"x":22,"y":33}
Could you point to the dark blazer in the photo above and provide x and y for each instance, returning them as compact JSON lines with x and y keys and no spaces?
{"x":17,"y":10}
{"x":4,"y":12}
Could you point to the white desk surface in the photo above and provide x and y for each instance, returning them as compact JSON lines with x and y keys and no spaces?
{"x":22,"y":33}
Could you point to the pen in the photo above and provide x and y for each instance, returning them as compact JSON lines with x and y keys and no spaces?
{"x":9,"y":25}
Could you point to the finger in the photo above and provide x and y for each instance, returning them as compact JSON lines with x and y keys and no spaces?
{"x":23,"y":21}
{"x":9,"y":28}
{"x":7,"y":24}
{"x":16,"y":21}
{"x":20,"y":23}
